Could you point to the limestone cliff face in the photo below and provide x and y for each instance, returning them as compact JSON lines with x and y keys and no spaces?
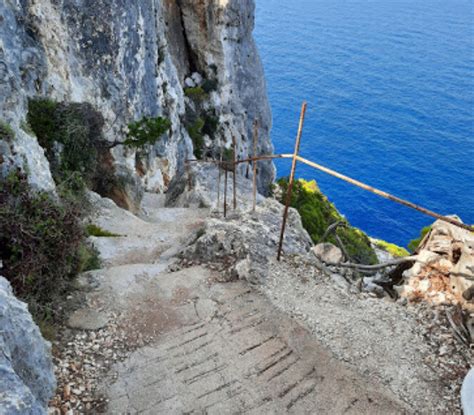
{"x":129,"y":60}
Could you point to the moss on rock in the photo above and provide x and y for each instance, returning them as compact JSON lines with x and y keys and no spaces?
{"x":392,"y":249}
{"x":317,"y":213}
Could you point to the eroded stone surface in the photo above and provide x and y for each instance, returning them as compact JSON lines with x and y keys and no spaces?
{"x":26,"y":371}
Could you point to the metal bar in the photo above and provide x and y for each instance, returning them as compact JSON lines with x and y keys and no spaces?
{"x":291,"y":180}
{"x":188,"y":172}
{"x":225,"y":192}
{"x":219,"y":182}
{"x":254,"y":178}
{"x":384,"y":194}
{"x":266,"y":157}
{"x":234,"y":168}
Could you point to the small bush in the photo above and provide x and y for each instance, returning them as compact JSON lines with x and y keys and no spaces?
{"x":196,"y":94}
{"x":211,"y":124}
{"x":94,"y":230}
{"x":6,"y":132}
{"x":317,"y":213}
{"x":195,"y":132}
{"x":71,"y":134}
{"x":209,"y":85}
{"x":146,"y":131}
{"x":413,"y":245}
{"x":42,"y":244}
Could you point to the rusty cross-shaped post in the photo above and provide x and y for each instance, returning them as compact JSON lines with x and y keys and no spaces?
{"x":254,"y":163}
{"x":291,"y":179}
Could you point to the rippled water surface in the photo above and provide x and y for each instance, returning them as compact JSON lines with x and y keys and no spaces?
{"x":390,"y":89}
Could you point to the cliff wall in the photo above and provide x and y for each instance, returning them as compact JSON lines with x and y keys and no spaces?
{"x":129,"y":60}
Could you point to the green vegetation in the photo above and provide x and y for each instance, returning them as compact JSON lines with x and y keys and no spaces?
{"x":209,"y":85}
{"x":211,"y":124}
{"x":43,"y":244}
{"x":196,"y":93}
{"x":71,"y":136}
{"x":317,"y":213}
{"x":6,"y":132}
{"x":195,"y":131}
{"x":413,"y":245}
{"x":94,"y":230}
{"x":146,"y":131}
{"x":395,"y":250}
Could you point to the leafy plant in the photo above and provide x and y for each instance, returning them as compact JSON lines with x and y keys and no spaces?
{"x":209,"y":85}
{"x":195,"y":132}
{"x":317,"y":213}
{"x":71,"y":134}
{"x":146,"y":131}
{"x":211,"y":123}
{"x":196,"y":93}
{"x":413,"y":245}
{"x":6,"y":132}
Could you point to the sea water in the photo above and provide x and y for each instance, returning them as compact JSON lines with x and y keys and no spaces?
{"x":390,"y":92}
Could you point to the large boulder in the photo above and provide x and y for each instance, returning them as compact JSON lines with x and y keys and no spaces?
{"x":244,"y":243}
{"x":444,"y":271}
{"x":26,"y":369}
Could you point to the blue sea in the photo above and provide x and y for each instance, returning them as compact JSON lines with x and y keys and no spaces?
{"x":390,"y":92}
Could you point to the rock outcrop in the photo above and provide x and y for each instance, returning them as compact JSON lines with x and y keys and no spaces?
{"x":444,"y":272}
{"x":26,"y":370}
{"x":129,"y":60}
{"x":243,"y":244}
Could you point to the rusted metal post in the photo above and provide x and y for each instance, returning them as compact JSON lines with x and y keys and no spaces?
{"x":291,"y":180}
{"x":225,"y":191}
{"x":255,"y":142}
{"x":234,"y":168}
{"x":219,"y":181}
{"x":188,"y":172}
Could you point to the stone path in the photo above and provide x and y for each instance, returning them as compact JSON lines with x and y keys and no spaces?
{"x":217,"y":348}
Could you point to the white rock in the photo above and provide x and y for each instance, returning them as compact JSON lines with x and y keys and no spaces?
{"x":328,"y":252}
{"x":197,"y":78}
{"x":189,"y":83}
{"x":467,"y":394}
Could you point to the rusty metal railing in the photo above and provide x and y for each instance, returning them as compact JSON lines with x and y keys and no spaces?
{"x":297,"y":158}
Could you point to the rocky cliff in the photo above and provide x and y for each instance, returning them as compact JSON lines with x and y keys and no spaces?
{"x":26,"y":370}
{"x":180,"y":59}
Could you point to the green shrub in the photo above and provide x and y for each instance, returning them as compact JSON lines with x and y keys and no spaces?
{"x":6,"y":132}
{"x":43,"y":244}
{"x":71,"y":134}
{"x":196,"y":93}
{"x":94,"y":230}
{"x":413,"y":245}
{"x":209,"y":85}
{"x":195,"y":132}
{"x":146,"y":131}
{"x":211,"y":123}
{"x":394,"y":250}
{"x":317,"y":213}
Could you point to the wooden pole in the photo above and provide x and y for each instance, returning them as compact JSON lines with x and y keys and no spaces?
{"x":291,"y":180}
{"x":255,"y":143}
{"x":219,"y":181}
{"x":384,"y":194}
{"x":225,"y":192}
{"x":234,"y":168}
{"x":188,"y":171}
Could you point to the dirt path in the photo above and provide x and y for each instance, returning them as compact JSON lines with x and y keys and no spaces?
{"x":213,"y":348}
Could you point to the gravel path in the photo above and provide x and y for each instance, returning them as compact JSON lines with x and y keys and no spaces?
{"x":174,"y":341}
